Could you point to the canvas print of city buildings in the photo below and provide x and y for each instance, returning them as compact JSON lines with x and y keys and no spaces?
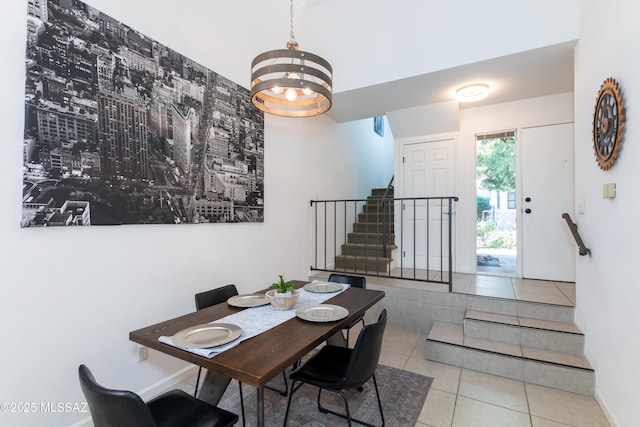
{"x":120,"y":129}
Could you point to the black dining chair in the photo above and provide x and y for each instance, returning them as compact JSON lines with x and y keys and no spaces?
{"x":356,"y":282}
{"x":207,"y":299}
{"x":336,"y":368}
{"x":215,"y":296}
{"x":123,"y":408}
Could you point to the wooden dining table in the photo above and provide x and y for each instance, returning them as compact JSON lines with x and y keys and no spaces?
{"x":257,"y":360}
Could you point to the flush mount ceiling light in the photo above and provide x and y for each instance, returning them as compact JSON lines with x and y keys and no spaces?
{"x":473,"y":92}
{"x":290,"y":82}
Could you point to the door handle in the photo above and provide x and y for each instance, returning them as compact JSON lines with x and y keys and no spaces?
{"x":527,"y":211}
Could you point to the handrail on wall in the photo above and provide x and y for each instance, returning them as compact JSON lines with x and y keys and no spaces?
{"x":386,"y":192}
{"x":583,"y":250}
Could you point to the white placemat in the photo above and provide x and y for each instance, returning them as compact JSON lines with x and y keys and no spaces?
{"x":256,"y":320}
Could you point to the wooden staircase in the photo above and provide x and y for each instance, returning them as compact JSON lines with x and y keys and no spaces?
{"x":370,"y":246}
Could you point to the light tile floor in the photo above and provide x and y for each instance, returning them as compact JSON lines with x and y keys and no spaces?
{"x":463,"y":398}
{"x":543,"y":291}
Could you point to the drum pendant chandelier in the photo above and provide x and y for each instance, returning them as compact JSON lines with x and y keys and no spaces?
{"x":290,"y":82}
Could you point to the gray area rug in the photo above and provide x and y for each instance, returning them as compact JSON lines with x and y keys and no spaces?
{"x":402,"y":393}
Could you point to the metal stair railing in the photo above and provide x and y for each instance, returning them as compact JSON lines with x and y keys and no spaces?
{"x":371,"y":246}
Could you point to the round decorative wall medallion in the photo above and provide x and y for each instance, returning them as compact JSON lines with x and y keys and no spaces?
{"x":608,"y":124}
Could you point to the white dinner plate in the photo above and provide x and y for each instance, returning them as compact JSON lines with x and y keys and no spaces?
{"x":323,"y":287}
{"x":208,"y":335}
{"x":322,"y":313}
{"x":252,"y":300}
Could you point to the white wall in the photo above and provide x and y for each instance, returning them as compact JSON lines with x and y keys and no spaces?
{"x":365,"y":147}
{"x":426,"y":36}
{"x":607,"y":282}
{"x":71,"y":295}
{"x":471,"y":121}
{"x":425,"y":120}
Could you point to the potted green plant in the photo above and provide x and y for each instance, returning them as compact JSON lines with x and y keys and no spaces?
{"x":282,"y":296}
{"x":282,"y":287}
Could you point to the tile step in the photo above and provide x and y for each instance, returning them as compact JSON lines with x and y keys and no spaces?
{"x":446,"y":343}
{"x":535,"y":333}
{"x":525,"y":309}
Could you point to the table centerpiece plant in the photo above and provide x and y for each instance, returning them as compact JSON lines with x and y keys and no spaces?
{"x":282,"y":296}
{"x":282,"y":286}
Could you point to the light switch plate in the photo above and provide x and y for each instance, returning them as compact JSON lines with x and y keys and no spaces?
{"x":609,"y":190}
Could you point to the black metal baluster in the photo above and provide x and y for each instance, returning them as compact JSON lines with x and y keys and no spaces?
{"x":441,"y":240}
{"x":450,"y":245}
{"x":345,"y":229}
{"x":335,"y":230}
{"x":414,"y":238}
{"x":428,"y":233}
{"x":325,"y":234}
{"x":401,"y":238}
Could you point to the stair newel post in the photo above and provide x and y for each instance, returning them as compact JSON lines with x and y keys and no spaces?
{"x":450,"y":245}
{"x":335,"y":229}
{"x":441,"y":236}
{"x":355,"y":218}
{"x":325,"y":234}
{"x":414,"y":237}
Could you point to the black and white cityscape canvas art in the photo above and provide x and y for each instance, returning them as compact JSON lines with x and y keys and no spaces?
{"x":120,"y":129}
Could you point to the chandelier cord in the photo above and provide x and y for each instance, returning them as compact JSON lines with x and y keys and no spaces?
{"x":293,"y":38}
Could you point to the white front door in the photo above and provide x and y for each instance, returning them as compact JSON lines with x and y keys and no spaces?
{"x":547,"y":161}
{"x":427,"y":172}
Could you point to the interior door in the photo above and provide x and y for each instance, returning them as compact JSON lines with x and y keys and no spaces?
{"x":427,"y":172}
{"x":548,"y":249}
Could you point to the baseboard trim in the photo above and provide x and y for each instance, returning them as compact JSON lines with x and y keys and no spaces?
{"x":167,"y":383}
{"x":85,"y":422}
{"x":606,"y":409}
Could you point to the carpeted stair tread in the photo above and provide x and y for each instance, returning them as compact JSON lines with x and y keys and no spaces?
{"x":372,"y":239}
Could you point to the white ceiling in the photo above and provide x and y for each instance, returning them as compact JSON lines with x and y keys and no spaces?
{"x":539,"y":72}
